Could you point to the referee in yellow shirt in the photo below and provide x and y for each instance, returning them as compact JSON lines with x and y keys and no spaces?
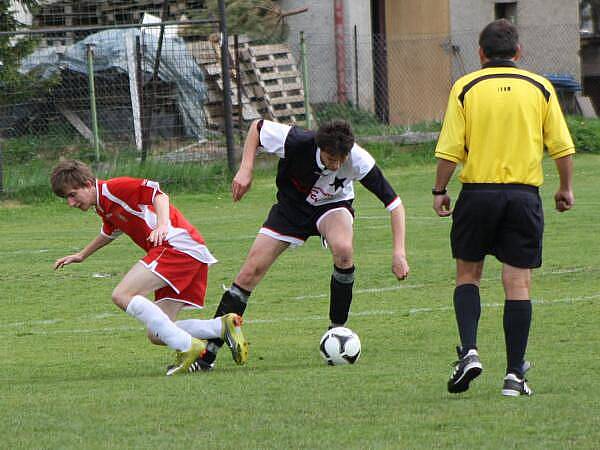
{"x":498,"y":122}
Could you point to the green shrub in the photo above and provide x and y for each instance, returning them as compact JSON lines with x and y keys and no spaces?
{"x":585,"y":133}
{"x":366,"y":123}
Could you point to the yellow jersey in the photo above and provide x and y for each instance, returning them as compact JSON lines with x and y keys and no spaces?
{"x":498,"y":122}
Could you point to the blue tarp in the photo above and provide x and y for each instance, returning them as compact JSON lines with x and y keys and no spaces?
{"x":177,"y":65}
{"x":563,"y":81}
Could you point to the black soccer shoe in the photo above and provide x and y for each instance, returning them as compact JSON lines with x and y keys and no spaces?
{"x":197,"y":366}
{"x":467,"y":368}
{"x":201,"y":366}
{"x":516,"y":385}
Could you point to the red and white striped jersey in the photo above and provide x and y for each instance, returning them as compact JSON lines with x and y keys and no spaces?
{"x":125,"y":206}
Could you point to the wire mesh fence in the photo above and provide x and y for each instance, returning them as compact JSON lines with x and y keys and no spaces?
{"x":395,"y":85}
{"x":123,"y":94}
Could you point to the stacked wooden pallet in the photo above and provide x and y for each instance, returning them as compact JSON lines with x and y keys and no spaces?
{"x":69,"y":13}
{"x":208,"y":57}
{"x":270,"y":82}
{"x":277,"y":74}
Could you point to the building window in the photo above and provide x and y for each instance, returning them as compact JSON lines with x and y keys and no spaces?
{"x":506,"y":10}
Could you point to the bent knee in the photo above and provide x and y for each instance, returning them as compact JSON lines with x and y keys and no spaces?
{"x":120,"y":298}
{"x":152,"y":337}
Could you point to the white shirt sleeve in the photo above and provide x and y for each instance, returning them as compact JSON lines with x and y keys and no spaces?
{"x":362,"y":162}
{"x":272,"y":137}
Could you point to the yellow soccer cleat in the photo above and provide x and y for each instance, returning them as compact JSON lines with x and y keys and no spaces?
{"x":233,"y":336}
{"x":183,"y":360}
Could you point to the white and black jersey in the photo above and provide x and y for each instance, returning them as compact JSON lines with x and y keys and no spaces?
{"x":306,"y":190}
{"x":303,"y":180}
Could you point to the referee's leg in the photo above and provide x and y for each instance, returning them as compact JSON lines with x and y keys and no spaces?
{"x":517,"y":316}
{"x":467,"y":303}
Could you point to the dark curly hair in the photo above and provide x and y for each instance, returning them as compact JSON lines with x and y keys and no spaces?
{"x":335,"y":137}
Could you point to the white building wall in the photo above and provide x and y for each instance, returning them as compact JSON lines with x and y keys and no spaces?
{"x":548,"y":30}
{"x":318,"y":26}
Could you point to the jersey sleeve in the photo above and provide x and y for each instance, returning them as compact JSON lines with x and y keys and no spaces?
{"x":451,"y":142}
{"x":375,"y":182}
{"x":557,"y":137}
{"x":133,"y":191}
{"x":272,"y":136}
{"x":362,"y":162}
{"x":109,"y":230}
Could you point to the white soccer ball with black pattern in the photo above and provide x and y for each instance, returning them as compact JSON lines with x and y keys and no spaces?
{"x":339,"y":346}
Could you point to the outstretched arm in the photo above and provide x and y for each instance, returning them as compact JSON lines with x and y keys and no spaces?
{"x":399,"y":262}
{"x":98,"y":242}
{"x":243,"y":178}
{"x":564,"y":197}
{"x":442,"y":203}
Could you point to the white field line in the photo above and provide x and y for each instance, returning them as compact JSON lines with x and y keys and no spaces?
{"x":381,"y":312}
{"x":365,"y":291}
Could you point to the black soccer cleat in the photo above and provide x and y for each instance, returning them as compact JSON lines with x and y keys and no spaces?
{"x":467,"y":368}
{"x":516,"y":384}
{"x":199,"y":365}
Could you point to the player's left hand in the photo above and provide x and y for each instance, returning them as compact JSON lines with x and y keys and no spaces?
{"x":400,"y":267}
{"x":158,"y":235}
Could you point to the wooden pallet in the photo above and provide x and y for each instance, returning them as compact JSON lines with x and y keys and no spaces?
{"x":277,"y":73}
{"x":68,"y":13}
{"x":208,"y":56}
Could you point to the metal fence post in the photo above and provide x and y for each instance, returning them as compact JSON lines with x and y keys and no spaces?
{"x":239,"y":85}
{"x":225,"y":70}
{"x":356,"y":66}
{"x":305,"y":83}
{"x":1,"y":172}
{"x":92,"y":89}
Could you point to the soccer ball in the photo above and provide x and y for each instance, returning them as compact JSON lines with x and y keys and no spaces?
{"x":340,"y":345}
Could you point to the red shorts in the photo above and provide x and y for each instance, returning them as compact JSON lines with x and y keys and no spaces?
{"x":186,"y":277}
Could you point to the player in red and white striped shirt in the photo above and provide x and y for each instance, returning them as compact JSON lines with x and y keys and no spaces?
{"x":175,"y":266}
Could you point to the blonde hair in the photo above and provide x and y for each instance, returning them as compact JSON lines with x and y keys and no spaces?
{"x":70,"y":174}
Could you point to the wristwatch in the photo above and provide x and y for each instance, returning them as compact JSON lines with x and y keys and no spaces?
{"x":435,"y":191}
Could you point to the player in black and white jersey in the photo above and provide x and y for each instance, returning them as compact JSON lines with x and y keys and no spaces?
{"x":315,"y":190}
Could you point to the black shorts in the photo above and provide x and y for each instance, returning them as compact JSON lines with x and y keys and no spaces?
{"x":504,"y":220}
{"x":295,"y":224}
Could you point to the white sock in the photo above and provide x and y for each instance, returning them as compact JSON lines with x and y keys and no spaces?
{"x":202,"y":329}
{"x":159,"y":323}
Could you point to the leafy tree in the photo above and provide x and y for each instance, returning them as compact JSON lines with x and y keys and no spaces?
{"x":258,"y":19}
{"x":15,"y":86}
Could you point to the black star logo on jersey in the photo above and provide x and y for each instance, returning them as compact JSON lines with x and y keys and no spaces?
{"x":337,"y":183}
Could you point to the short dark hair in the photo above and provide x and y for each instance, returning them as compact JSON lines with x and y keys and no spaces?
{"x":335,"y":137}
{"x":70,"y":174}
{"x":499,"y":39}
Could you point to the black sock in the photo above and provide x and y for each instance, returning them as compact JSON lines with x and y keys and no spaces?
{"x":234,"y":300}
{"x":467,"y":307}
{"x":517,"y":321}
{"x":342,"y":281}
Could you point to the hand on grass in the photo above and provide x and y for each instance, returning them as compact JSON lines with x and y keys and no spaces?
{"x":400,"y":267}
{"x":65,"y":260}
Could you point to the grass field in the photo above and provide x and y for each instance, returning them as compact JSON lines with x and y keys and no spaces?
{"x":77,"y":373}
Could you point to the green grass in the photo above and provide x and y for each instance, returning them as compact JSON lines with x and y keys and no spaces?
{"x":78,"y":373}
